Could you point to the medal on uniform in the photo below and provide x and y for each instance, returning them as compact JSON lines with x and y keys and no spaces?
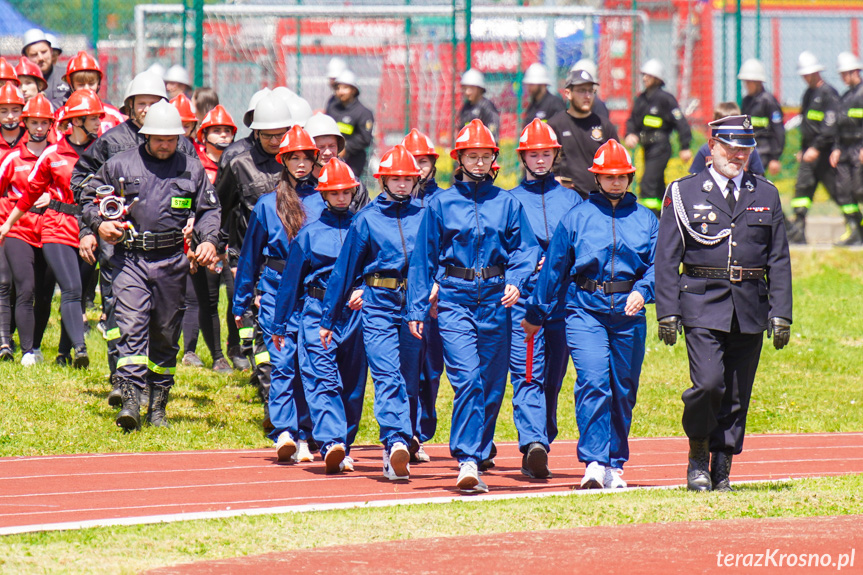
{"x":707,"y":186}
{"x":711,"y":216}
{"x":703,"y":228}
{"x":749,"y":186}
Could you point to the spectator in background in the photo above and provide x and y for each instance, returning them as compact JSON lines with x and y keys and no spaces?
{"x":703,"y":158}
{"x":598,"y":103}
{"x":177,"y":81}
{"x":581,"y":132}
{"x":846,"y":153}
{"x":204,"y":99}
{"x":37,"y":49}
{"x":355,"y":121}
{"x":476,"y":105}
{"x":766,"y":114}
{"x":543,"y":104}
{"x":335,"y":67}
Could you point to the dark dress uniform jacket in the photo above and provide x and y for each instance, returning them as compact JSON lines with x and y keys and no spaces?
{"x":757,"y":241}
{"x":819,"y":110}
{"x":655,"y":115}
{"x":547,"y":106}
{"x":767,"y":122}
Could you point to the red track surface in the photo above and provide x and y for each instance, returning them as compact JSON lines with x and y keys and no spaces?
{"x":701,"y":547}
{"x":67,"y":492}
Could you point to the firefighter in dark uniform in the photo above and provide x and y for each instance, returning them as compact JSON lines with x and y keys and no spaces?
{"x":543,"y":103}
{"x":726,"y":227}
{"x":655,"y":115}
{"x":145,"y":90}
{"x":162,"y":188}
{"x":817,"y":136}
{"x":355,"y":121}
{"x":846,"y":154}
{"x":766,"y":113}
{"x":581,"y":132}
{"x":476,"y":106}
{"x":37,"y":49}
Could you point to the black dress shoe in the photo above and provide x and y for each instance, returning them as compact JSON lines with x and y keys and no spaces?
{"x":720,"y":471}
{"x":698,"y":472}
{"x":81,"y":360}
{"x":487,"y":464}
{"x":534,"y":463}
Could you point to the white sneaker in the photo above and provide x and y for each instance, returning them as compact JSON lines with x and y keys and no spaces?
{"x":334,"y":457}
{"x":594,"y":475}
{"x":421,"y":456}
{"x":29,"y":359}
{"x":303,"y":454}
{"x":397,"y":462}
{"x":285,"y":446}
{"x":347,"y":464}
{"x":613,"y":478}
{"x":468,"y":477}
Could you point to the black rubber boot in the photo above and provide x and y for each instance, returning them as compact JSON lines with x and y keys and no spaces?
{"x":7,"y":352}
{"x":720,"y":471}
{"x":115,"y":398}
{"x":158,"y":401}
{"x":852,"y":236}
{"x":534,"y":462}
{"x":698,"y":472}
{"x":241,"y":363}
{"x":487,"y":464}
{"x":81,"y":359}
{"x":796,"y":228}
{"x":129,"y":417}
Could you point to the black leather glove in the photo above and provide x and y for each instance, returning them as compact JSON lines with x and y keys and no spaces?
{"x":780,"y":329}
{"x":669,"y":327}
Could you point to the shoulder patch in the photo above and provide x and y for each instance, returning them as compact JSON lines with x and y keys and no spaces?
{"x":666,"y":202}
{"x":677,"y":113}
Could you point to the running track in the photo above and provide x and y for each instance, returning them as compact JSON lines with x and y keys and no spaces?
{"x":74,"y":491}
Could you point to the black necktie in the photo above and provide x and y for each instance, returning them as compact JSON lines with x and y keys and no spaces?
{"x":729,"y":195}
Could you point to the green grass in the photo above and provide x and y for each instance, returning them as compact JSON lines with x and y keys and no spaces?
{"x":811,"y":386}
{"x":133,"y":549}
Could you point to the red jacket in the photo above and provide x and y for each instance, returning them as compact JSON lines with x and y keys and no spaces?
{"x":112,"y":118}
{"x":53,"y":173}
{"x":210,"y":166}
{"x":14,"y":171}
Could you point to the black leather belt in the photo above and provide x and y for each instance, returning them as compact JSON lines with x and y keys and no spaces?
{"x":470,"y":274}
{"x":378,"y":280}
{"x":275,"y":264}
{"x":148,"y":241}
{"x":64,"y":208}
{"x":317,"y":293}
{"x":734,"y":273}
{"x":591,"y":285}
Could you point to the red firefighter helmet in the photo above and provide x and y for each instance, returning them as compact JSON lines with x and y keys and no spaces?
{"x":11,"y":94}
{"x":612,"y":159}
{"x":80,"y":63}
{"x":474,"y":136}
{"x":7,"y":72}
{"x":336,"y":175}
{"x":218,"y":116}
{"x":82,"y":103}
{"x":537,"y":136}
{"x":38,"y":107}
{"x":184,"y":106}
{"x":418,"y":144}
{"x":27,"y":68}
{"x":296,"y":140}
{"x":398,"y":161}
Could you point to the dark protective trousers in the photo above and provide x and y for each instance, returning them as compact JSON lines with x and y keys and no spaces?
{"x":656,"y":156}
{"x":334,"y":379}
{"x":608,"y":351}
{"x":722,"y":368}
{"x":432,"y":369}
{"x":149,"y":291}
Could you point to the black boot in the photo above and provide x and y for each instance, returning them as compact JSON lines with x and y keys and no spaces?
{"x":158,"y":401}
{"x":852,"y":236}
{"x":129,"y":417}
{"x":534,"y":462}
{"x":796,"y":228}
{"x":698,"y":472}
{"x":261,"y":378}
{"x":235,"y":354}
{"x":487,"y":464}
{"x":720,"y":470}
{"x":81,"y":359}
{"x":115,"y":398}
{"x":7,"y":353}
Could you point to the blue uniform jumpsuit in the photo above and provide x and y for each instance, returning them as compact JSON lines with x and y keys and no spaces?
{"x":534,"y":405}
{"x":261,"y":262}
{"x":379,"y":243}
{"x":472,"y":229}
{"x":596,"y":242}
{"x":334,"y":379}
{"x":432,"y":367}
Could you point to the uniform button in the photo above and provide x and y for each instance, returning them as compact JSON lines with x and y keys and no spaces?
{"x":732,"y":225}
{"x":734,"y":244}
{"x":735,"y":262}
{"x":685,"y":286}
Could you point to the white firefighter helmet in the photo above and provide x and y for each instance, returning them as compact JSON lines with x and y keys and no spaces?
{"x":753,"y":71}
{"x":162,"y":119}
{"x":473,"y":78}
{"x":271,"y":113}
{"x":536,"y":73}
{"x":807,"y":63}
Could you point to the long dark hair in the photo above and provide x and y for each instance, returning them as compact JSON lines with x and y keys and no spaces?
{"x":288,"y":205}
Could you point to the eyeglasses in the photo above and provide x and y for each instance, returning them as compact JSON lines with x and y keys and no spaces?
{"x":584,"y":91}
{"x":271,"y":137}
{"x":475,"y":158}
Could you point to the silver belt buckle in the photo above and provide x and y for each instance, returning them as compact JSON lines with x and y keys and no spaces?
{"x":147,"y":241}
{"x":735,"y":273}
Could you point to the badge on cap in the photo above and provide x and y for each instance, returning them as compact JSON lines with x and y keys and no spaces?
{"x":746,"y":123}
{"x":707,"y":186}
{"x":711,"y":216}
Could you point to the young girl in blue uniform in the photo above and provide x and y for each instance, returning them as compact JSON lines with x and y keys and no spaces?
{"x":275,"y":221}
{"x":605,"y":247}
{"x":334,"y":377}
{"x":476,"y":244}
{"x":422,"y":149}
{"x":534,"y":404}
{"x":376,"y":252}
